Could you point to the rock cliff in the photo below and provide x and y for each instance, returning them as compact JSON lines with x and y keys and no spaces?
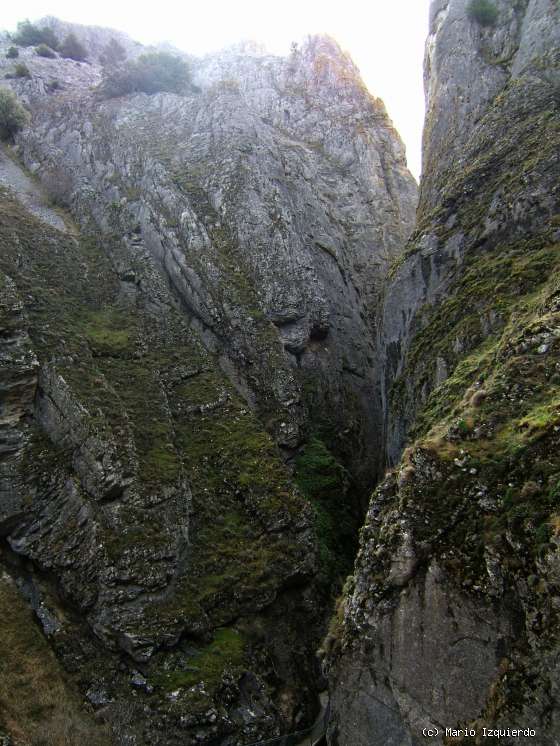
{"x":215,"y":336}
{"x":451,"y":617}
{"x":189,"y":307}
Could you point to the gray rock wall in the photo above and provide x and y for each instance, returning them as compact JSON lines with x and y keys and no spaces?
{"x":19,"y":368}
{"x":469,"y":69}
{"x":274,"y":169}
{"x":439,"y":626}
{"x":206,"y":275}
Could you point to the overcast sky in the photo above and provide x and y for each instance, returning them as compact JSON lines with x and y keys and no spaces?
{"x":385,"y":38}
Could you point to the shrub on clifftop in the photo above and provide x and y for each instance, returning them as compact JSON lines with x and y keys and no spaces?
{"x":113,"y":54}
{"x":43,"y":51}
{"x":12,"y":114}
{"x":28,"y":35}
{"x":483,"y":12}
{"x":150,"y":73}
{"x":73,"y":49}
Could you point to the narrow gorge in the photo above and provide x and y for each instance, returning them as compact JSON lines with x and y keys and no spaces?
{"x":244,"y":359}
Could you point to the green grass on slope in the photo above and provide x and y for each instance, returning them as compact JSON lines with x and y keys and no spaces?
{"x":208,"y":664}
{"x":325,"y":482}
{"x":37,"y":706}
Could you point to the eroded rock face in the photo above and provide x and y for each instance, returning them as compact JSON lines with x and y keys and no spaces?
{"x":152,"y":504}
{"x":200,"y":301}
{"x":273,"y":169}
{"x":451,"y":616}
{"x":489,"y":185}
{"x":437,"y":638}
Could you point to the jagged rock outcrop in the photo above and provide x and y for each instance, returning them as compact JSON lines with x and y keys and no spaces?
{"x":200,"y":297}
{"x":450,"y":619}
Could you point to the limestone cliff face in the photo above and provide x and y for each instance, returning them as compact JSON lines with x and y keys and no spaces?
{"x":200,"y":300}
{"x":274,"y":196}
{"x":451,"y":616}
{"x":489,"y":182}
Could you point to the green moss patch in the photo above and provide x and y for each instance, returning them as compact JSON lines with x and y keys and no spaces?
{"x":484,"y":12}
{"x":109,"y":332}
{"x":226,"y":654}
{"x":325,"y":482}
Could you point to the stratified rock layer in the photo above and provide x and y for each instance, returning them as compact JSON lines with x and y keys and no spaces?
{"x":451,"y":617}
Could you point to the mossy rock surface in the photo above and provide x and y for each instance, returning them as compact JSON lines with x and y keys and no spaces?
{"x":468,"y":516}
{"x":143,"y":383}
{"x":224,"y":655}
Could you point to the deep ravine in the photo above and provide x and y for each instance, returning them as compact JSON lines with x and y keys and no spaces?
{"x":224,"y":324}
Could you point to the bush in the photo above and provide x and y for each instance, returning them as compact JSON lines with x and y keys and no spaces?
{"x":113,"y":54}
{"x":73,"y":49}
{"x":12,"y":53}
{"x":43,"y":51}
{"x":319,"y":475}
{"x":325,"y":482}
{"x":12,"y":114}
{"x":483,"y":12}
{"x":21,"y":71}
{"x":28,"y":35}
{"x":150,"y":73}
{"x":58,"y":186}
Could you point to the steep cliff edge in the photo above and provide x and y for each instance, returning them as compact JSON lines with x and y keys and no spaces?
{"x":188,"y":321}
{"x":451,"y":617}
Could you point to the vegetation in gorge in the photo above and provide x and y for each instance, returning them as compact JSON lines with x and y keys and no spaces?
{"x":224,"y":655}
{"x":325,"y":482}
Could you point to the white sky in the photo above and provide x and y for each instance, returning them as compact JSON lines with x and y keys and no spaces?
{"x":384,"y":37}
